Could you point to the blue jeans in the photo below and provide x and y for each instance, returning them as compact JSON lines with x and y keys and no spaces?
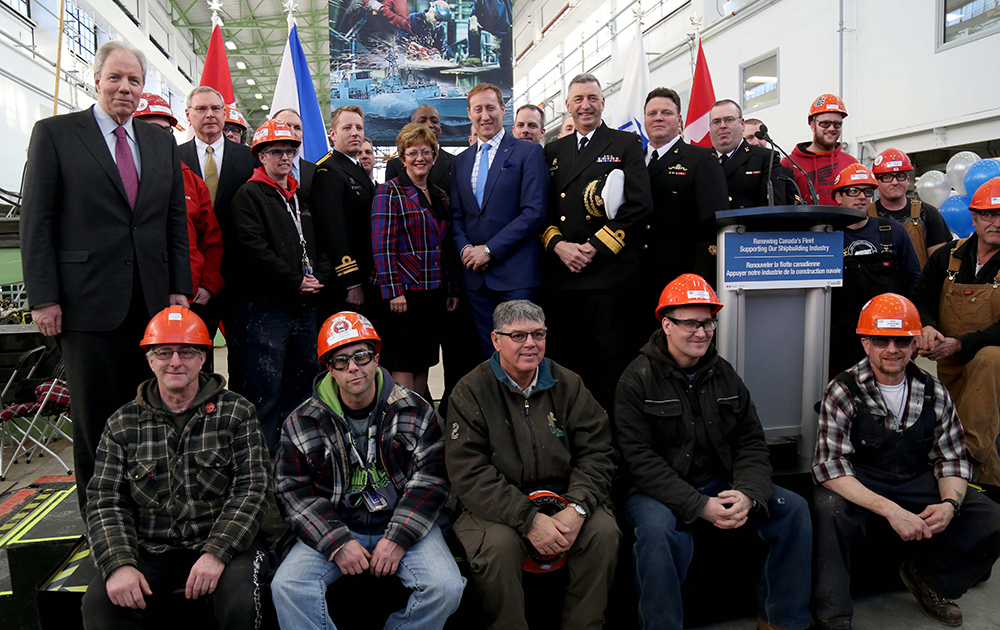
{"x":662,"y":554}
{"x":427,"y":568}
{"x":277,"y":351}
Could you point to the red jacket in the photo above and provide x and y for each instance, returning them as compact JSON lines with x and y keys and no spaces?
{"x":204,"y":235}
{"x":821,"y":168}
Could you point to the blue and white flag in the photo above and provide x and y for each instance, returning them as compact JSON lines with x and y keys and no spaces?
{"x":295,"y":90}
{"x":629,"y":114}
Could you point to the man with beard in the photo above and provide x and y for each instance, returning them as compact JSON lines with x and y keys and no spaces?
{"x":822,"y":159}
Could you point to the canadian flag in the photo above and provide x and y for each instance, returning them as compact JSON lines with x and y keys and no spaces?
{"x":216,"y":71}
{"x":702,"y":99}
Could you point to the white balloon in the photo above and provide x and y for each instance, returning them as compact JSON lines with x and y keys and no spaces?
{"x":933,"y":188}
{"x":958,"y":166}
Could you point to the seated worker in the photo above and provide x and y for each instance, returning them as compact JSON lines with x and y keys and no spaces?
{"x":179,"y":492}
{"x":890,"y":445}
{"x":878,"y":258}
{"x":520,"y":423}
{"x":360,"y":478}
{"x":696,"y":453}
{"x":960,"y":309}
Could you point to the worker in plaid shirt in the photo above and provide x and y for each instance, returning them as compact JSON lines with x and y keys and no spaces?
{"x":179,"y":491}
{"x":890,"y":444}
{"x":360,"y":478}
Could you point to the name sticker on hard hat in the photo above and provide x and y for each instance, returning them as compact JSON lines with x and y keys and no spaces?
{"x":832,"y":106}
{"x":894,"y":164}
{"x":859,"y":176}
{"x":995,"y":200}
{"x":698,"y":295}
{"x":889,"y":323}
{"x":174,"y":317}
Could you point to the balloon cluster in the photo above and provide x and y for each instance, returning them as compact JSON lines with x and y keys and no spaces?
{"x":952,"y":191}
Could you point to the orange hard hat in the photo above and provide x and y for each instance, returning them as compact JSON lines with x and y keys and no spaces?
{"x":236,"y":117}
{"x":890,"y":315}
{"x":176,"y":324}
{"x":891,"y":161}
{"x":854,"y":175}
{"x":688,"y":289}
{"x":272,"y":131}
{"x":154,"y":105}
{"x":987,"y":197}
{"x":345,"y":328}
{"x":549,"y":504}
{"x":827,"y":103}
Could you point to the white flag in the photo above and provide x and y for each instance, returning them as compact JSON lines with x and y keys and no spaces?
{"x":635,"y":86}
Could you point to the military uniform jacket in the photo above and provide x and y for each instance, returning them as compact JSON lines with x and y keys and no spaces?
{"x":746,"y":176}
{"x":341,"y":200}
{"x":617,"y":260}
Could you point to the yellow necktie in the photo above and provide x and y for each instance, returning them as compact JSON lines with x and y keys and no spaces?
{"x":211,"y":174}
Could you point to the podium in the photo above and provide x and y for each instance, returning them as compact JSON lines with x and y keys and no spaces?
{"x":776,"y":268}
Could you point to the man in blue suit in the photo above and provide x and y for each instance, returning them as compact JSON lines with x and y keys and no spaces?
{"x":499,"y":201}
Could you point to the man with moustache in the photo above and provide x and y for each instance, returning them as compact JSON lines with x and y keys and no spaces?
{"x":342,"y":208}
{"x":891,"y":445}
{"x":822,"y":159}
{"x":591,"y":261}
{"x":440,"y":174}
{"x":529,"y":123}
{"x":744,"y":165}
{"x":689,"y":187}
{"x":302,"y":169}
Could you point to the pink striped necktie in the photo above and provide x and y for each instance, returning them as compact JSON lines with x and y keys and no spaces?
{"x":126,"y":166}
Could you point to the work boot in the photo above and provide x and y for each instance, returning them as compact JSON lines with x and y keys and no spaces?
{"x":933,"y":605}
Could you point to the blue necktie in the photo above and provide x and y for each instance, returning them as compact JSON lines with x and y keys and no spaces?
{"x":484,"y":172}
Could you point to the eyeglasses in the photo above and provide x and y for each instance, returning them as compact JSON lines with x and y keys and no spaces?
{"x":901,"y":343}
{"x":886,"y":178}
{"x":854,"y":191}
{"x":519,"y":336}
{"x":202,"y":110}
{"x":825,"y":124}
{"x":692,"y":325}
{"x":718,"y":122}
{"x":426,"y":153}
{"x":361,"y":357}
{"x":986,"y":215}
{"x":233,"y":129}
{"x":165,"y":354}
{"x":280,"y":153}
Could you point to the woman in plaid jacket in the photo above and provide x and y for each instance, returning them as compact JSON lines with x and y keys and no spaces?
{"x":413,"y":260}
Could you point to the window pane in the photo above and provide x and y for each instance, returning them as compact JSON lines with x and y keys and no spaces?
{"x":21,"y":6}
{"x":80,"y":32}
{"x":760,"y":83}
{"x":963,"y":18}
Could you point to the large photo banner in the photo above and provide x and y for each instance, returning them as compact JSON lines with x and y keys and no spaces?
{"x":391,"y":56}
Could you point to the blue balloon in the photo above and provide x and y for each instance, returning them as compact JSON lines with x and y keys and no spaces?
{"x":955,"y":211}
{"x":980,"y":173}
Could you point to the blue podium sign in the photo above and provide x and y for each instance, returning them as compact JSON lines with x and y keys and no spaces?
{"x":783,"y":260}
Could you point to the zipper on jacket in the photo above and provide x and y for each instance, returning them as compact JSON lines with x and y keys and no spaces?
{"x":531,"y":431}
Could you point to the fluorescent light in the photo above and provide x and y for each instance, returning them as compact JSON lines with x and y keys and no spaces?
{"x":761,"y":79}
{"x":258,"y":95}
{"x":241,"y":65}
{"x":231,"y":45}
{"x":251,"y":82}
{"x":265,"y":107}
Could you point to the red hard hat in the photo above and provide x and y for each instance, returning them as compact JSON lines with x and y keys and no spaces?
{"x":176,"y":324}
{"x":235,"y":117}
{"x":154,"y":105}
{"x":688,"y":289}
{"x":345,"y":328}
{"x":272,"y":131}
{"x":891,"y":161}
{"x":987,"y":197}
{"x":890,"y":315}
{"x":854,"y":175}
{"x":827,"y":103}
{"x":549,"y":504}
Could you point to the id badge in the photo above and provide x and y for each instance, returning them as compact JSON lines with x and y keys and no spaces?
{"x":374,"y":502}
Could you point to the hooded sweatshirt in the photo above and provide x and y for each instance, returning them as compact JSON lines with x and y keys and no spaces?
{"x":822,"y":169}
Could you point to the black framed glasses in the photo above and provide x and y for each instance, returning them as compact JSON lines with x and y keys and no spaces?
{"x":520,"y":336}
{"x":692,"y":325}
{"x":854,"y":191}
{"x":165,"y":354}
{"x":361,"y":357}
{"x":886,"y":178}
{"x":901,"y":343}
{"x":233,"y":129}
{"x":825,"y":124}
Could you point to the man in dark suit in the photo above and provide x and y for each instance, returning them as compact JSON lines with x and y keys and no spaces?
{"x":499,"y":201}
{"x":104,"y":242}
{"x":302,"y":169}
{"x":591,"y":267}
{"x":440,"y":174}
{"x":688,"y":188}
{"x":225,"y":166}
{"x":744,"y":165}
{"x":342,"y":210}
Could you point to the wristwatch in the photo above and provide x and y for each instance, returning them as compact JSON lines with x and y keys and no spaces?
{"x":579,"y":509}
{"x":955,"y":504}
{"x":486,"y":250}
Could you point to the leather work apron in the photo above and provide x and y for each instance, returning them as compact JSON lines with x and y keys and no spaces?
{"x":966,"y":308}
{"x":913,"y":228}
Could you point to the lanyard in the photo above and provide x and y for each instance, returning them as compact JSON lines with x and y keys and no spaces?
{"x":307,"y":267}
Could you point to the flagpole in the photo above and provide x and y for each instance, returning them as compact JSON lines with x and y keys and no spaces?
{"x":696,"y":20}
{"x":290,"y":7}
